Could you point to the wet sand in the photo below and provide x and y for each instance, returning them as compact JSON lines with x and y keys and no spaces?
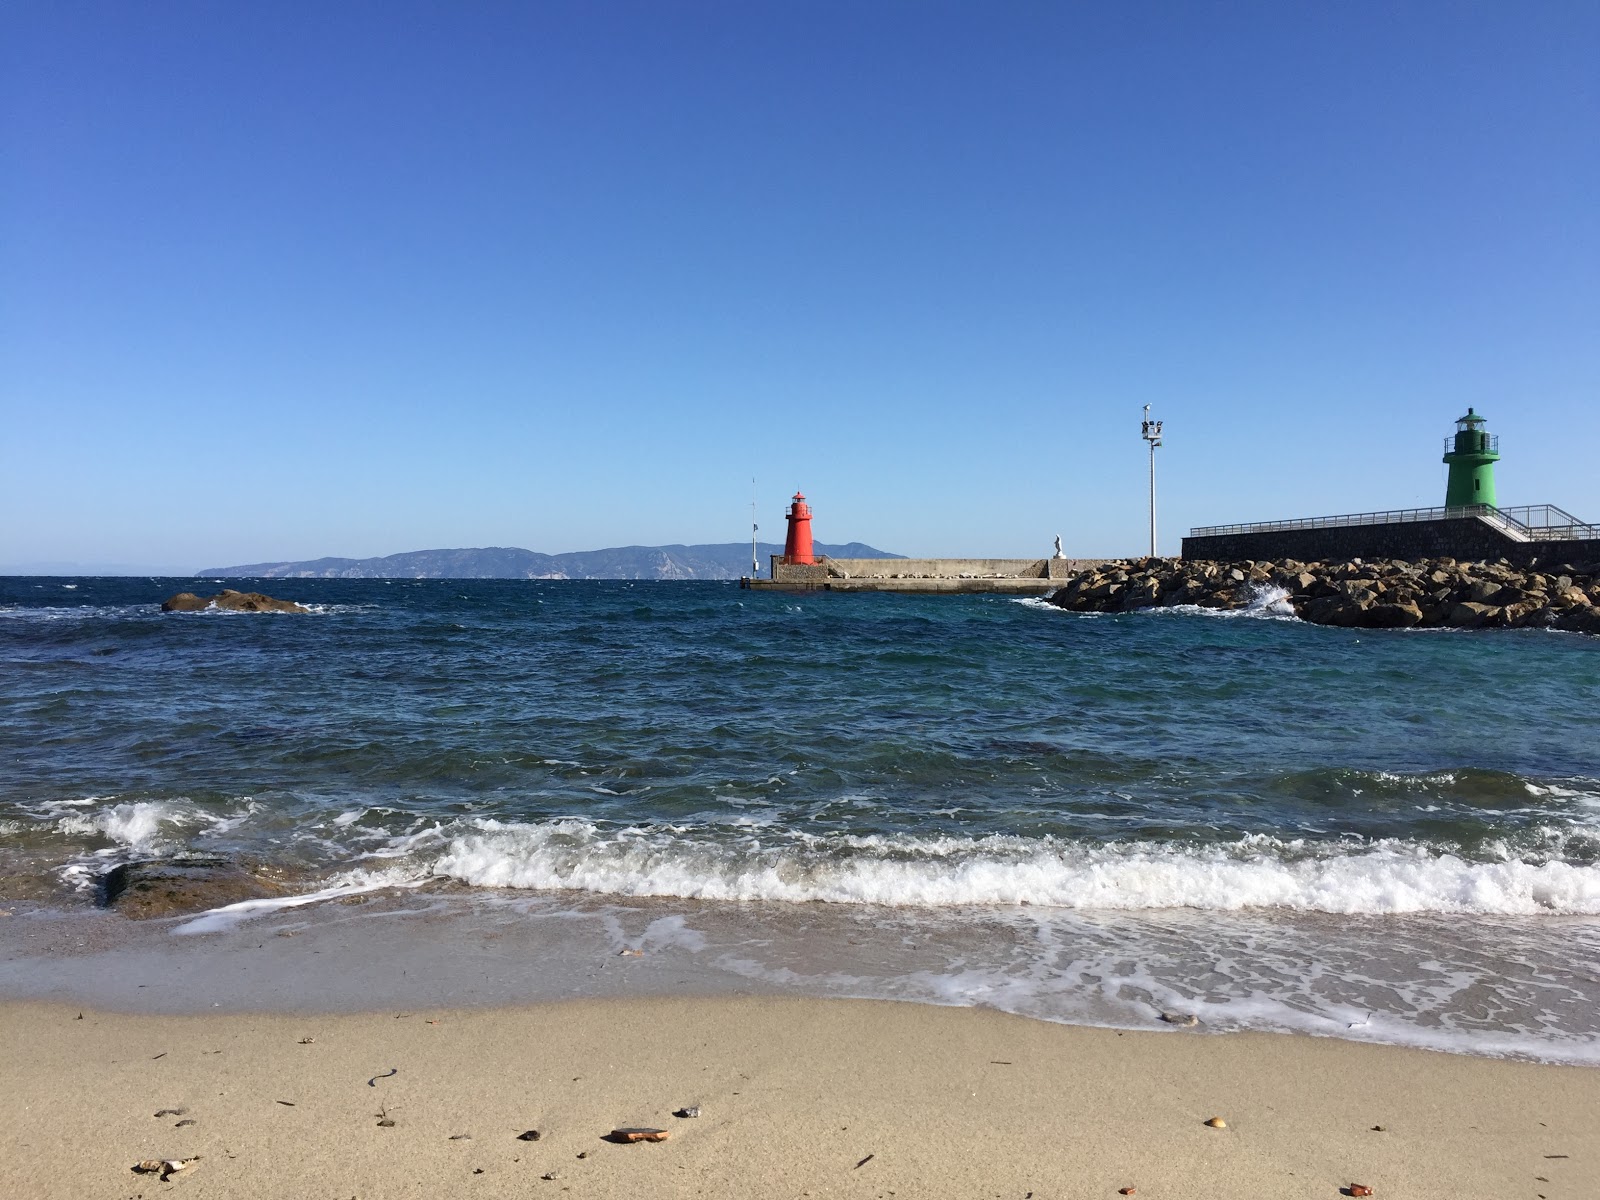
{"x":798,"y":1097}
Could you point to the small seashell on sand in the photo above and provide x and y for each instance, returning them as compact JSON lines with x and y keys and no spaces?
{"x":551,"y":1175}
{"x":1185,"y":1020}
{"x":630,"y":953}
{"x":1126,"y":1191}
{"x":1217,"y":1123}
{"x":1360,"y":1189}
{"x":690,"y":1111}
{"x":528,"y":1135}
{"x":166,"y":1168}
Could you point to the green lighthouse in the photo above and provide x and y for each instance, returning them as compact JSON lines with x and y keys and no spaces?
{"x":1471,"y":454}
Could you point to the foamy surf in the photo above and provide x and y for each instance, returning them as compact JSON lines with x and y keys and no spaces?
{"x":904,"y":871}
{"x":355,"y":883}
{"x":1267,"y":602}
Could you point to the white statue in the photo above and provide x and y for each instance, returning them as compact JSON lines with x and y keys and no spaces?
{"x":1059,"y":554}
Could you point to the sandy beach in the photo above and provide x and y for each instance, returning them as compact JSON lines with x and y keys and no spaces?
{"x":798,"y":1097}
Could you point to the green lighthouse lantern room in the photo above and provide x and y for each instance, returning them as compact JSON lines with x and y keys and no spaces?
{"x":1471,"y":454}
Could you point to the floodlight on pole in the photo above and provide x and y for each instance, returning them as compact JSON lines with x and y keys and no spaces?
{"x":1151,"y":432}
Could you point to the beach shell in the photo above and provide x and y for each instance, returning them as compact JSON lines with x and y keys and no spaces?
{"x":1126,"y":1191}
{"x":1217,"y":1123}
{"x":528,"y":1135}
{"x":1185,"y":1020}
{"x":166,"y":1168}
{"x":1360,"y":1189}
{"x":692,"y":1110}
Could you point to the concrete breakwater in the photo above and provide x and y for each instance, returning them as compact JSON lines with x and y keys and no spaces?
{"x":1391,"y":593}
{"x":1002,"y":576}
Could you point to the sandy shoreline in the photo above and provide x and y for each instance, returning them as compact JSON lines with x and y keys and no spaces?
{"x":795,"y":1093}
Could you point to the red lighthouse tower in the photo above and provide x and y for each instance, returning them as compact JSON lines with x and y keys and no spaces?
{"x":797,"y":546}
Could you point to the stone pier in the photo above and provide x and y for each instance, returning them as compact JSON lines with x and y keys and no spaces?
{"x":1005,"y":576}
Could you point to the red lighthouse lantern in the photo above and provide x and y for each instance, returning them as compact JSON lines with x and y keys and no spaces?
{"x":797,"y":546}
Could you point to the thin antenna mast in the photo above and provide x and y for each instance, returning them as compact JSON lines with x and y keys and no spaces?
{"x":755,"y":563}
{"x":1151,"y":432}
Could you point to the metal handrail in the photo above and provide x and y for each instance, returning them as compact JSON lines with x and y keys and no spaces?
{"x":1489,"y":445}
{"x":1532,"y":523}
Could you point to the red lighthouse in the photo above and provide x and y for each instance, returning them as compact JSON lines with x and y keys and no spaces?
{"x":797,"y":546}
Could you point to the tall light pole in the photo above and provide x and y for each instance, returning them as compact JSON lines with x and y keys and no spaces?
{"x":755,"y":563}
{"x":1152,"y":434}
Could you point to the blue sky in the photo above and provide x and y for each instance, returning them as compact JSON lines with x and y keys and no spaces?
{"x":300,"y":279}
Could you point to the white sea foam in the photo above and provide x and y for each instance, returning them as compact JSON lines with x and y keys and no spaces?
{"x":1267,"y":602}
{"x":81,"y":612}
{"x":352,"y":883}
{"x":138,"y":825}
{"x":1378,"y":877}
{"x":1320,"y":985}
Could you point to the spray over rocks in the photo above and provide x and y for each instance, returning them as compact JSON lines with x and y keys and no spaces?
{"x":1387,"y":594}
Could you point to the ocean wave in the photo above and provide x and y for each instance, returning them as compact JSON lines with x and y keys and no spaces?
{"x":78,"y":612}
{"x":142,"y":825}
{"x":1266,"y":603}
{"x":1351,"y":877}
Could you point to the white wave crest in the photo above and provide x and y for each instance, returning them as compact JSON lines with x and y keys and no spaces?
{"x":351,"y":883}
{"x":1267,"y":601}
{"x":139,"y":825}
{"x":1258,"y":872}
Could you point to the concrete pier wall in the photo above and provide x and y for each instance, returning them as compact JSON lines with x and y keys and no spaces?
{"x":1466,"y":538}
{"x":1008,"y":576}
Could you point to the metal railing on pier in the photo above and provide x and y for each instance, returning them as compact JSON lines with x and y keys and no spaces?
{"x":1526,"y":523}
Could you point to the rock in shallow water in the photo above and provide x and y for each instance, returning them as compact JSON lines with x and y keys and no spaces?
{"x":232,"y":601}
{"x":173,"y":887}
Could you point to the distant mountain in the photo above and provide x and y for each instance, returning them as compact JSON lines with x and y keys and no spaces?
{"x":727,"y":560}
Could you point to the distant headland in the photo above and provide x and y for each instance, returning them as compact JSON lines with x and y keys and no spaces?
{"x":727,"y":560}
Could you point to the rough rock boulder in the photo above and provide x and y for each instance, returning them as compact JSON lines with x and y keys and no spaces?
{"x":232,"y":601}
{"x":170,"y":887}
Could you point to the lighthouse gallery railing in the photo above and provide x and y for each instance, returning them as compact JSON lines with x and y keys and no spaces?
{"x":1525,"y":523}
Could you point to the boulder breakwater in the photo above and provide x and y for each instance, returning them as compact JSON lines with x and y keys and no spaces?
{"x":1386,"y":594}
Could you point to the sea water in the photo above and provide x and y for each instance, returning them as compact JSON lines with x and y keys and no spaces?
{"x":1383,"y":835}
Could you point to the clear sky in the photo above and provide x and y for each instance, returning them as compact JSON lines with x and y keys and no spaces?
{"x":294,"y":279}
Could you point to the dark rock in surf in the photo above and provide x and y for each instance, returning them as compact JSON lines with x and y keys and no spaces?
{"x":232,"y":601}
{"x":173,"y":887}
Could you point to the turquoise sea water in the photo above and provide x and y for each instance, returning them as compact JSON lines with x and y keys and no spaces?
{"x":1272,"y":824}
